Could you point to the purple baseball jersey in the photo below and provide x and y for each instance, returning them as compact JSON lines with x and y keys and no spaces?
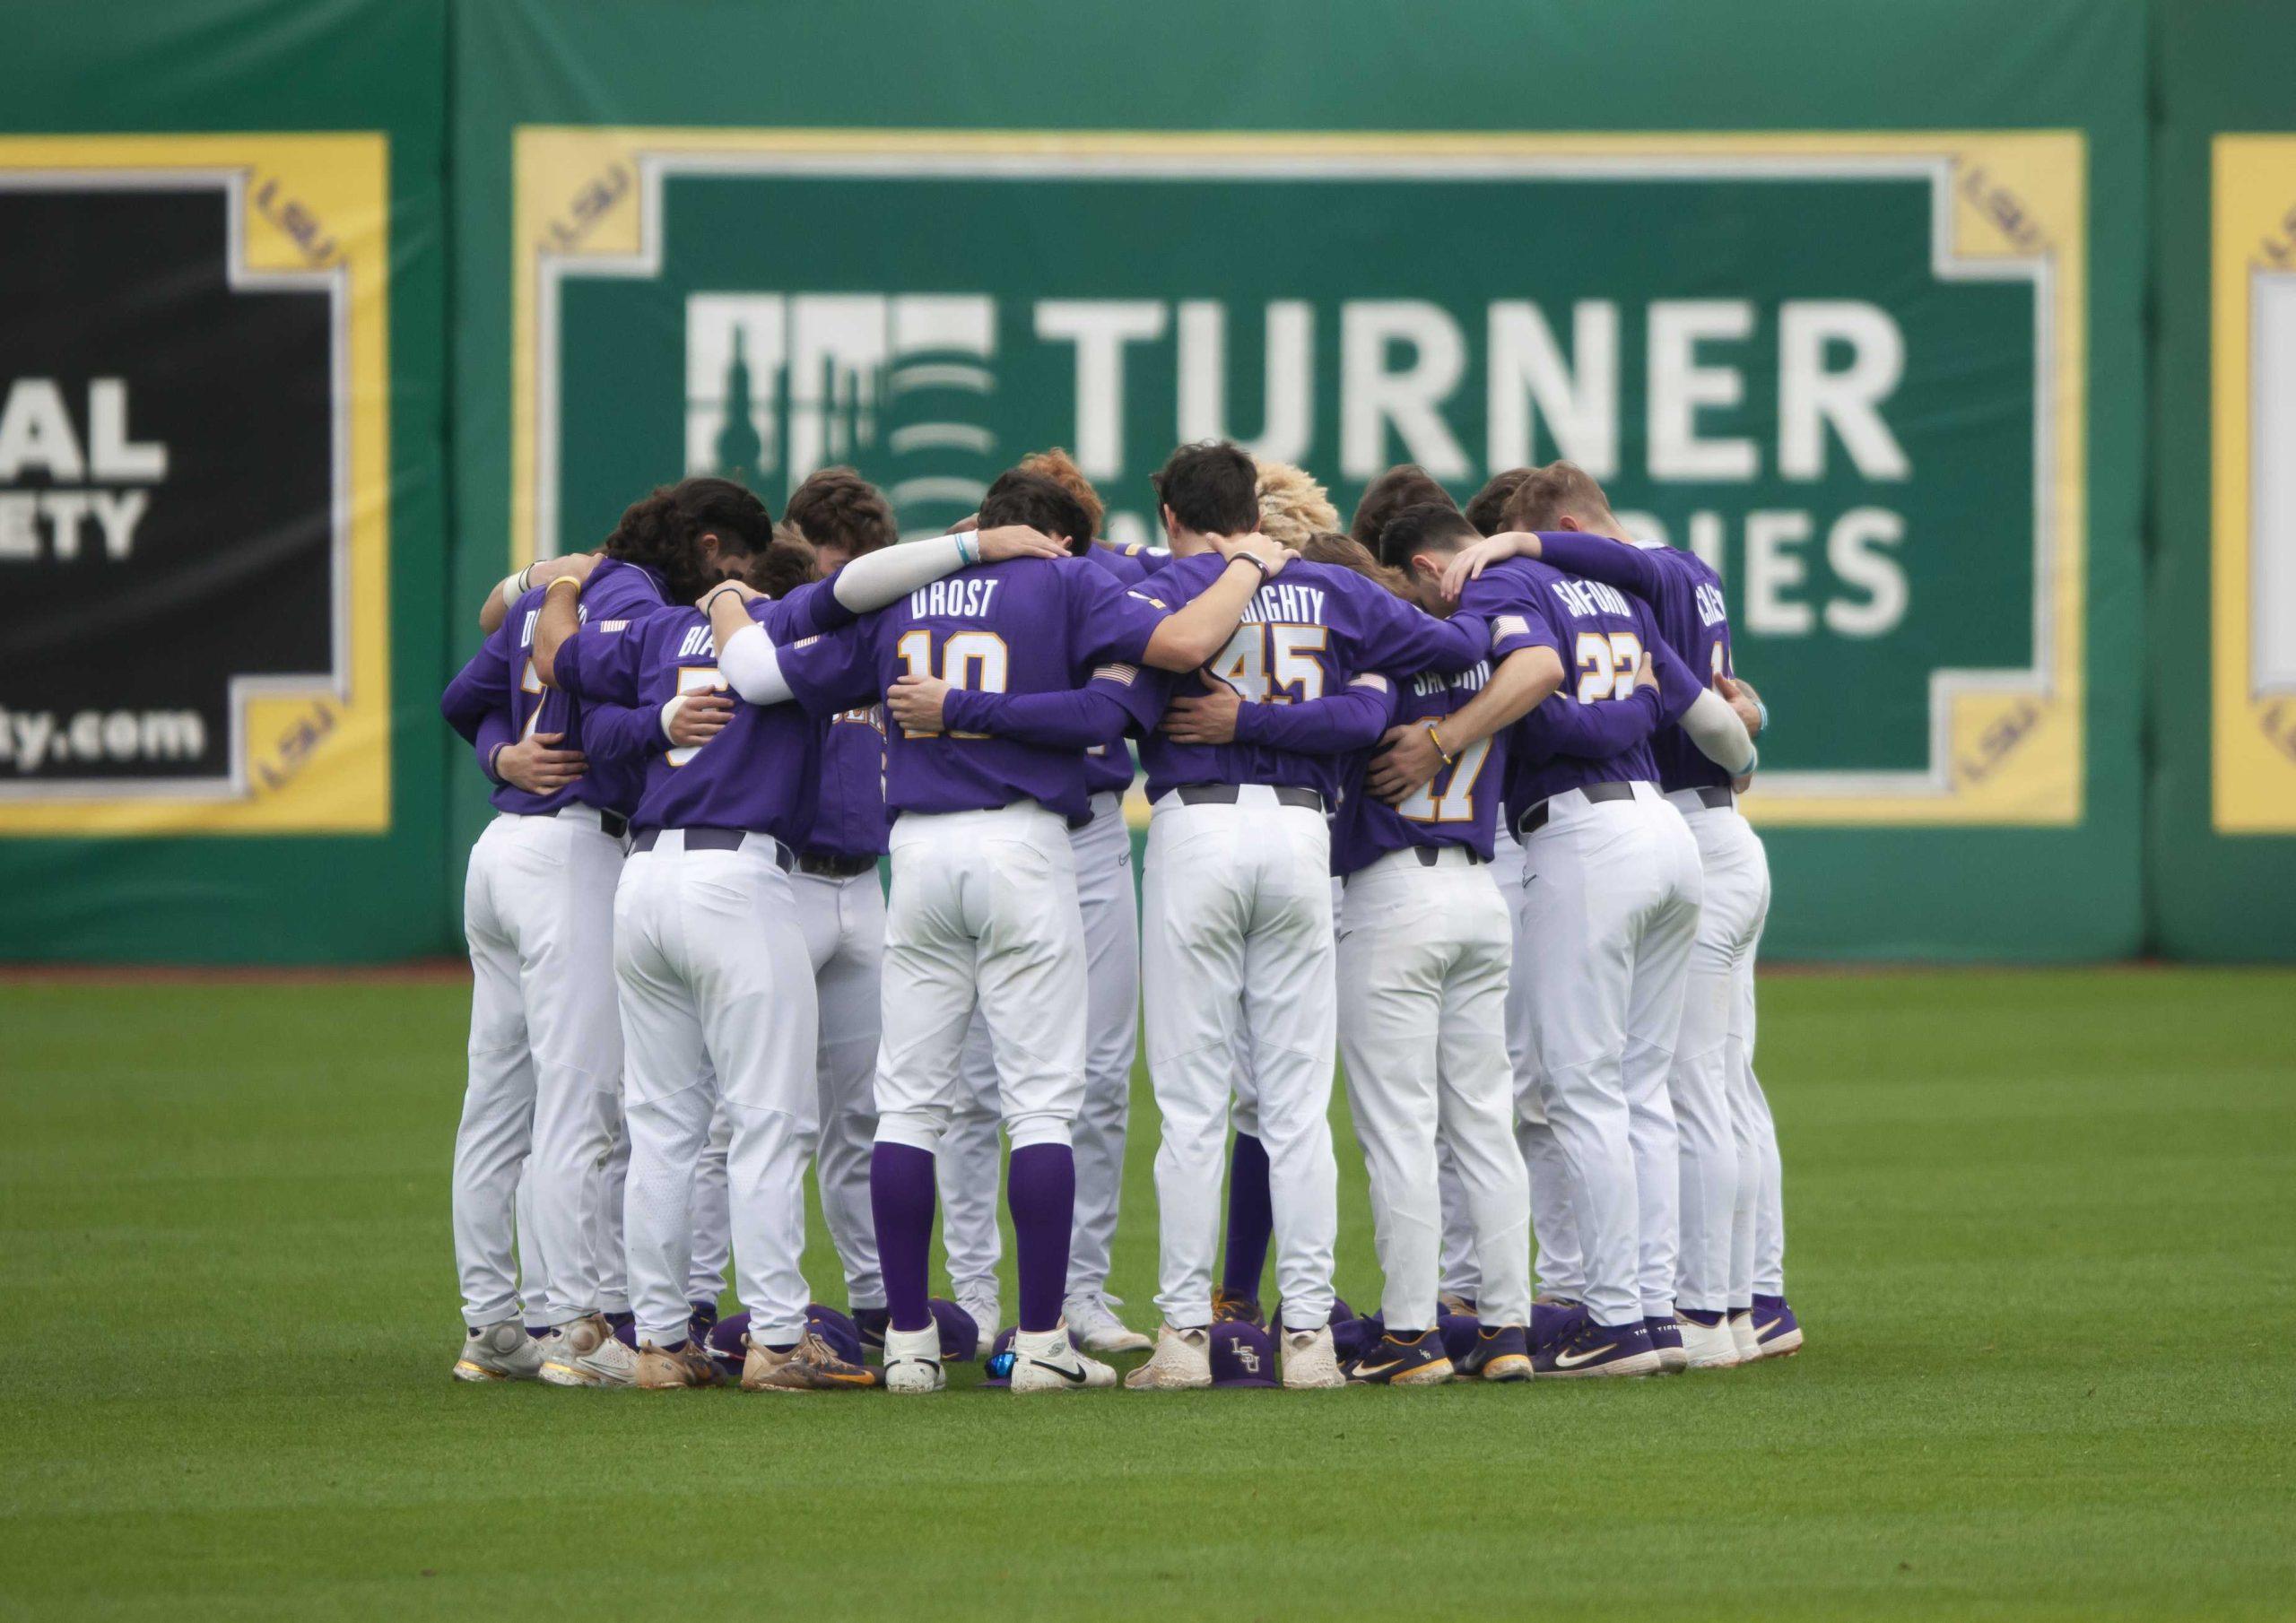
{"x":497,"y":700}
{"x":1685,"y":594}
{"x":1600,"y":634}
{"x":1305,"y":635}
{"x":1027,"y":626}
{"x":761,"y":772}
{"x":1460,"y":807}
{"x":1130,"y":564}
{"x":850,"y":820}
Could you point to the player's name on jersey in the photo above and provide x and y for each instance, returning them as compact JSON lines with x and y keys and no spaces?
{"x":1426,"y":684}
{"x":1277,"y":603}
{"x":1592,"y":597}
{"x":957,"y":598}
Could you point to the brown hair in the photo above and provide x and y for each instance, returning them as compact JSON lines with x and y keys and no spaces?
{"x":788,"y":562}
{"x":1057,"y":466}
{"x":1211,"y":488}
{"x":1293,"y":504}
{"x":1550,"y":492}
{"x":663,"y":530}
{"x":836,"y":507}
{"x":1488,"y":511}
{"x":1405,"y":485}
{"x":1329,"y":546}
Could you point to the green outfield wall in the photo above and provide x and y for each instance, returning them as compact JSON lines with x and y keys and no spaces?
{"x":1853,"y":301}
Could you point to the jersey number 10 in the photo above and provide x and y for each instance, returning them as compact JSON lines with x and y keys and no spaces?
{"x":975,"y":660}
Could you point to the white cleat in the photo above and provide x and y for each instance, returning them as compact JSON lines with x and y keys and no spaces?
{"x":1742,"y":1333}
{"x":1099,"y":1329}
{"x":500,"y":1351}
{"x":588,"y":1353}
{"x":1709,"y":1346}
{"x":1044,"y":1361}
{"x":986,"y":1311}
{"x":1309,"y":1360}
{"x":1182,"y":1362}
{"x":913,"y":1359}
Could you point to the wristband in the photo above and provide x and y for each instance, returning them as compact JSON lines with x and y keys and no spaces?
{"x":1247,"y":558}
{"x":1435,"y":738}
{"x":710,"y":600}
{"x":670,"y":709}
{"x":1761,"y":712}
{"x":967,"y":547}
{"x":514,"y":586}
{"x":493,"y":757}
{"x":563,"y":580}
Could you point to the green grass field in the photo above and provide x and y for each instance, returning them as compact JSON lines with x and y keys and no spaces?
{"x":2039,"y":1232}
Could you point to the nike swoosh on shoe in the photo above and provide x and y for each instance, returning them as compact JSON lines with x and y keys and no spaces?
{"x":1563,"y":1360}
{"x":1074,"y":1377}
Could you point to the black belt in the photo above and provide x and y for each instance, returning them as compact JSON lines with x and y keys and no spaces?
{"x":612,"y":823}
{"x":1718,"y":798}
{"x":1228,"y":795}
{"x":718,"y":839}
{"x":1429,"y":855}
{"x":822,"y":864}
{"x":1534,"y":819}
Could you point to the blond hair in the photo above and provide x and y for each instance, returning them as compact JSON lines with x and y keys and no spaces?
{"x":1292,"y":505}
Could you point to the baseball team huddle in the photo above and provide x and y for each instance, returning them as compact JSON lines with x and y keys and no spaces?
{"x":1448,"y":794}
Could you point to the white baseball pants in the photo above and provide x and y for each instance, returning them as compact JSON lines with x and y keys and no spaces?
{"x":1610,"y":899}
{"x":1758,"y":1228}
{"x":1238,"y":942}
{"x":983,"y":912}
{"x":844,"y":924}
{"x":1736,"y":900}
{"x":546,"y":1063}
{"x":713,"y":1213}
{"x":969,"y":1156}
{"x":716,"y":1003}
{"x":1422,"y":963}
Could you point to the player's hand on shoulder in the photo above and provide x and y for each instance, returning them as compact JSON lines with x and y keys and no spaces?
{"x":1472,"y":560}
{"x":741,"y":589}
{"x":693,"y":719}
{"x":1742,"y":699}
{"x":538,"y":764}
{"x":1009,"y":541}
{"x":1208,"y":717}
{"x":915,"y":702}
{"x":1272,"y":556}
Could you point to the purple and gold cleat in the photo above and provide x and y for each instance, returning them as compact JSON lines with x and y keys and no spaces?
{"x":1501,"y":1352}
{"x":1777,"y":1332}
{"x":1230,"y":1310}
{"x":1588,"y":1349}
{"x":1667,"y":1342}
{"x":1395,"y":1360}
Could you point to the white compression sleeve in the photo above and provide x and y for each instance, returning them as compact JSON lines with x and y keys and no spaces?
{"x":890,"y":574}
{"x":1718,"y":734}
{"x":751,"y":666}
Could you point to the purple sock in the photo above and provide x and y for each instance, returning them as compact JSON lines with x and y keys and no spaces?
{"x":900,"y":1198}
{"x":1251,"y":1218}
{"x":1040,"y":1187}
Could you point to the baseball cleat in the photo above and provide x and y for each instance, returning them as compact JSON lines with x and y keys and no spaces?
{"x":1228,"y":1308}
{"x":1667,"y":1342}
{"x":1501,"y":1352}
{"x":588,"y":1353}
{"x":1045,"y":1360}
{"x":668,"y":1369}
{"x":1777,"y":1332}
{"x":1096,"y":1326}
{"x":869,"y":1324}
{"x":1742,"y":1333}
{"x":1706,"y":1340}
{"x":1451,"y":1301}
{"x":701,"y":1321}
{"x":813,"y":1365}
{"x":1597,"y":1349}
{"x":501,"y":1352}
{"x":1310,"y":1361}
{"x":1182,"y":1360}
{"x":913,"y":1359}
{"x":1397,"y":1360}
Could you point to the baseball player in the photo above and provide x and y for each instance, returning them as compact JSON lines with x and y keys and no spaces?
{"x":1238,"y":934}
{"x":984,"y":889}
{"x":1687,"y":598}
{"x":1612,"y":899}
{"x":968,"y":1159}
{"x":546,"y":1048}
{"x":712,"y":974}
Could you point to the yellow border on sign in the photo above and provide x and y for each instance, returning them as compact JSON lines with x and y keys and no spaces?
{"x":2015,"y":751}
{"x":317,"y":761}
{"x":2252,"y":753}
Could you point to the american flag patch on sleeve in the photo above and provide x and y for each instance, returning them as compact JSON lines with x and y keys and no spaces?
{"x":1369,"y":679}
{"x":606,"y":626}
{"x":1126,"y":674}
{"x":1507,"y":626}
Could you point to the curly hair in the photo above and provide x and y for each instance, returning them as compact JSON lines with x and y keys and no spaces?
{"x":1293,"y":504}
{"x":1057,"y":466}
{"x":788,"y":562}
{"x":1488,"y":511}
{"x":663,"y":530}
{"x":836,"y":507}
{"x":1329,"y":546}
{"x":1405,"y":485}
